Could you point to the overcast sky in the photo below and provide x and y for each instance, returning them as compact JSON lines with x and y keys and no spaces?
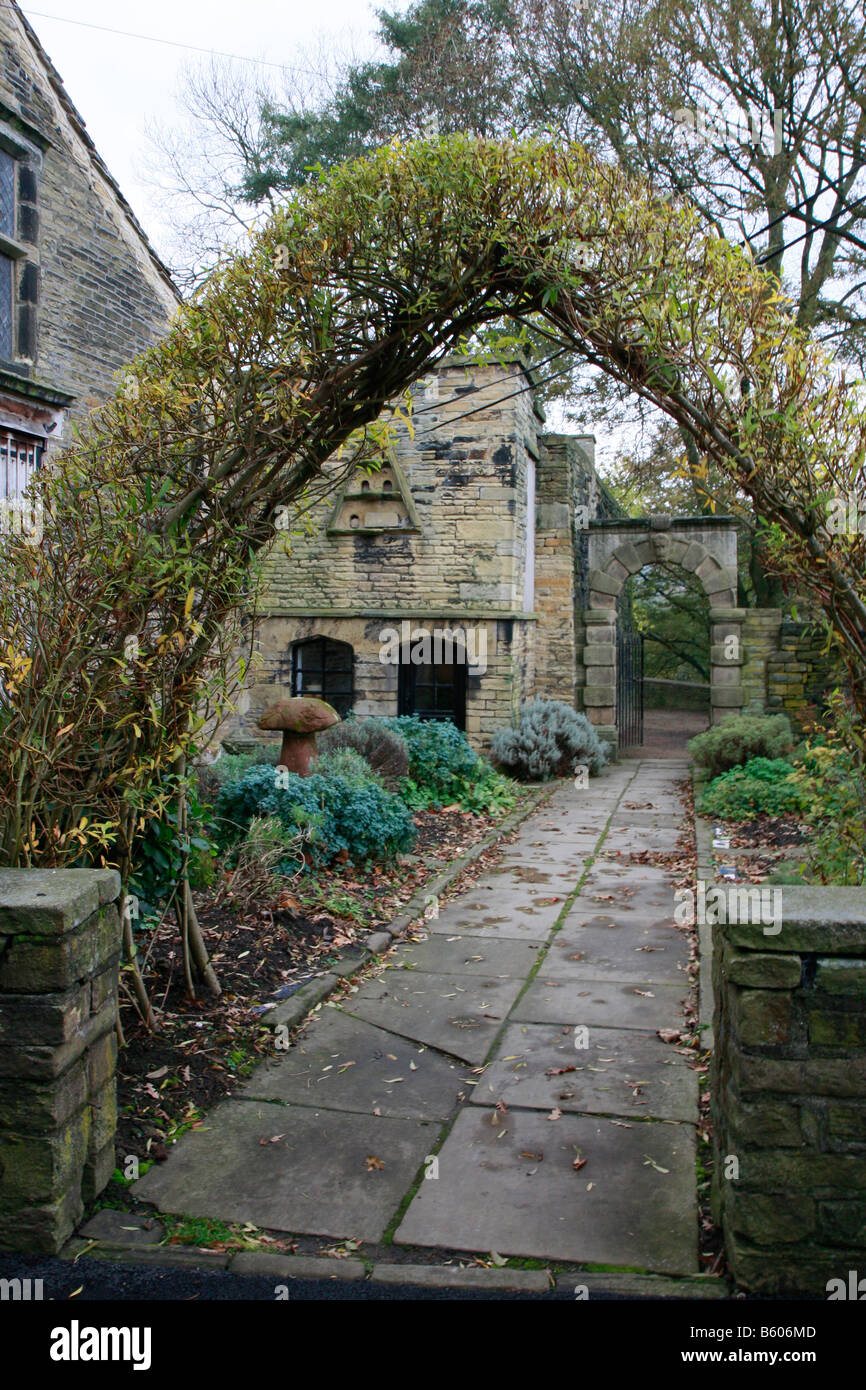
{"x":119,"y":83}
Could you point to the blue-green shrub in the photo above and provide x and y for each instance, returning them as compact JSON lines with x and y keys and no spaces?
{"x":361,"y":818}
{"x":444,"y":769}
{"x":348,"y":764}
{"x":550,"y":739}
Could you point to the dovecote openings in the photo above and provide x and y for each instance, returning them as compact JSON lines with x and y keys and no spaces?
{"x":371,"y":503}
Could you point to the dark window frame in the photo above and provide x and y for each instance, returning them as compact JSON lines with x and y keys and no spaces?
{"x":311,"y":672}
{"x":444,"y":700}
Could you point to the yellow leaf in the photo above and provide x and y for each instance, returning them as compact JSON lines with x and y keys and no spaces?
{"x":190,"y":600}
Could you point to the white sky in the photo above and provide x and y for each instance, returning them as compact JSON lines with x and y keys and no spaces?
{"x":120,"y":84}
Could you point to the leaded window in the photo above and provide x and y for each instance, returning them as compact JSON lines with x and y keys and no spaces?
{"x":324,"y":668}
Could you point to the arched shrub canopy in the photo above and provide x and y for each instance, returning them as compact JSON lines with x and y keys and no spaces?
{"x":116,"y":628}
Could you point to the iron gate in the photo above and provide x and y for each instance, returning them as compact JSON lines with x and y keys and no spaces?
{"x":629,"y":687}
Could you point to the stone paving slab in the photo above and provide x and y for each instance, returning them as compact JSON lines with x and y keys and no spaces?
{"x":342,"y":1063}
{"x":460,"y":1015}
{"x":600,"y":949}
{"x":639,"y":1003}
{"x":614,"y":875}
{"x":494,"y":1193}
{"x":316,"y":1180}
{"x":639,"y":838}
{"x":654,"y":820}
{"x":312,"y":1156}
{"x":600,"y":896}
{"x":492,"y":958}
{"x":630,"y":1074}
{"x":501,"y":912}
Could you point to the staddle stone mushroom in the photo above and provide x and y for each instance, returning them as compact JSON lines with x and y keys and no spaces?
{"x":300,"y":719}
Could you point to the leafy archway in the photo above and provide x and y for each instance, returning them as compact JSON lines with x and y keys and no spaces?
{"x":116,"y":629}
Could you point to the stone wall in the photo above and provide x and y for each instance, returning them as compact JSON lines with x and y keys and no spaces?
{"x":800,"y":672}
{"x":787,"y":667}
{"x":789,"y":1092}
{"x":456,"y":556}
{"x":59,"y":952}
{"x":492,"y":695}
{"x":468,"y":482}
{"x":760,"y":641}
{"x":90,"y":293}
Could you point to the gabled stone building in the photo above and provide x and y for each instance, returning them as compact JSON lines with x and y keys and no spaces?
{"x":81,"y":289}
{"x":485,"y":562}
{"x":470,"y":536}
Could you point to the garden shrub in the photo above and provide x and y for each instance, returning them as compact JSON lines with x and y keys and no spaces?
{"x":763,"y":787}
{"x":830,"y":773}
{"x":251,"y":869}
{"x":444,"y":770}
{"x":740,"y":737}
{"x":381,"y":747}
{"x":230,"y":767}
{"x":549,"y":740}
{"x":348,"y":764}
{"x":362,"y":818}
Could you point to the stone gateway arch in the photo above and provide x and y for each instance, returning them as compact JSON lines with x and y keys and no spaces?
{"x":618,"y":549}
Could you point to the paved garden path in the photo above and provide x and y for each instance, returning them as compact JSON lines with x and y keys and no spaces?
{"x":555,"y":970}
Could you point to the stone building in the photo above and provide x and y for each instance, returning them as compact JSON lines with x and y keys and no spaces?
{"x":81,"y":289}
{"x":485,"y":562}
{"x":469,"y":538}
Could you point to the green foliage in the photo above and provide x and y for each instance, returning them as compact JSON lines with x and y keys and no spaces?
{"x":254,"y":863}
{"x":359,"y":818}
{"x":739,"y":738}
{"x":672,"y":611}
{"x":830,"y":773}
{"x":348,"y":764}
{"x":550,"y":740}
{"x":381,"y":747}
{"x":230,"y":767}
{"x":159,"y":849}
{"x":763,"y":787}
{"x":119,"y":630}
{"x":444,"y":770}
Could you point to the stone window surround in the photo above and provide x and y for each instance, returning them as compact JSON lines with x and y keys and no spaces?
{"x":26,"y":146}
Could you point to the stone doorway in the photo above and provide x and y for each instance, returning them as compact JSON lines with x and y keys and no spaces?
{"x":619,"y":548}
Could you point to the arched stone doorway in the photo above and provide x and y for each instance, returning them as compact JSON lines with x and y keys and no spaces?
{"x":707,"y":547}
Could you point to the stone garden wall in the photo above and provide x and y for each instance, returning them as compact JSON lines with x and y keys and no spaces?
{"x":786,"y":665}
{"x":59,"y":952}
{"x":789,"y":1092}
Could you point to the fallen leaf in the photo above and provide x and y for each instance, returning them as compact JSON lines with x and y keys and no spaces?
{"x":555,"y":1114}
{"x":373,"y":1163}
{"x":579,"y":1163}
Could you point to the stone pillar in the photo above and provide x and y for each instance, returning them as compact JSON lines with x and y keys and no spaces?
{"x":789,"y":1088}
{"x":59,"y":953}
{"x":761,"y":642}
{"x":726,"y":662}
{"x":599,"y":661}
